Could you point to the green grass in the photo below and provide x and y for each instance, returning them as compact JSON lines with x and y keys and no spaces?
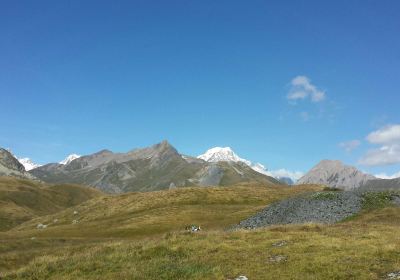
{"x":376,"y":200}
{"x":327,"y":195}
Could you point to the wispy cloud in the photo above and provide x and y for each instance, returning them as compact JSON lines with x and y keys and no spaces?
{"x":388,"y":138}
{"x":302,"y":88}
{"x":385,"y":176}
{"x":349,"y":146}
{"x":386,"y":135}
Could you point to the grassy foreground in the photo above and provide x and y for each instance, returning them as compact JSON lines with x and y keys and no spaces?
{"x":140,"y":236}
{"x":368,"y":248}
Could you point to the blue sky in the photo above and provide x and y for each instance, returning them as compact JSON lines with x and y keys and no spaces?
{"x":284,"y":83}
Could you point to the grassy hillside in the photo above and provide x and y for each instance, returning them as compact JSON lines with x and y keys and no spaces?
{"x":22,"y":200}
{"x":137,"y":216}
{"x":154,"y":213}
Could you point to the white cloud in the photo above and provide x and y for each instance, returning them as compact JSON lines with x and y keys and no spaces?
{"x":349,"y":146}
{"x":385,"y":135}
{"x":385,"y":176}
{"x":389,"y":151}
{"x":302,"y":88}
{"x":384,"y":155}
{"x":294,"y":175}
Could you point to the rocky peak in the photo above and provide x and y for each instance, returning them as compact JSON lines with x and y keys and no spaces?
{"x":9,"y":161}
{"x":335,"y":174}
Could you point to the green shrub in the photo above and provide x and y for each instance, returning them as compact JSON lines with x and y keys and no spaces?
{"x":376,"y":200}
{"x":325,"y":195}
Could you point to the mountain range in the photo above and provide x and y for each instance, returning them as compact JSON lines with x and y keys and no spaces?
{"x":154,"y":168}
{"x":161,"y":166}
{"x":29,"y":164}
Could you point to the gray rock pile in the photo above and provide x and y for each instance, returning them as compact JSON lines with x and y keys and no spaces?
{"x":320,"y":207}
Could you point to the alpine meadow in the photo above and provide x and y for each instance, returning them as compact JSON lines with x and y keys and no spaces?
{"x":221,"y":140}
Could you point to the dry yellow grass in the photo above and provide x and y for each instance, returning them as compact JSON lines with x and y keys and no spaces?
{"x":140,"y":236}
{"x":351,"y":250}
{"x":144,"y":214}
{"x":22,"y":200}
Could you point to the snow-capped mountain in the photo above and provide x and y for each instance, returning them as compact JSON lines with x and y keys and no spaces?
{"x":222,"y":154}
{"x":227,"y":154}
{"x":28,"y":163}
{"x":69,"y":158}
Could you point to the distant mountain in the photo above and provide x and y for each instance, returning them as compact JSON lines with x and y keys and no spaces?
{"x":28,"y":163}
{"x":153,"y":168}
{"x":335,"y":174}
{"x":220,"y":154}
{"x":69,"y":158}
{"x":10,"y":166}
{"x":286,"y":180}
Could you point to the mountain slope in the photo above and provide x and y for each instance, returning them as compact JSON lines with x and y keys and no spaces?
{"x":335,"y":174}
{"x":10,"y":166}
{"x":154,"y":168}
{"x":22,"y":200}
{"x":381,"y":184}
{"x":220,"y":154}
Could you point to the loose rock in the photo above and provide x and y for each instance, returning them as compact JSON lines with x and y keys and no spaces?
{"x":41,"y":226}
{"x":277,"y":258}
{"x":393,"y":275}
{"x":317,"y":207}
{"x":279,"y":243}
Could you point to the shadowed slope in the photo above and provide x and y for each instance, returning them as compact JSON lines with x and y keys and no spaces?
{"x":22,"y":200}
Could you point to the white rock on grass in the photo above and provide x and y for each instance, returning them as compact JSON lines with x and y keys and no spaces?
{"x":41,"y":226}
{"x":394,"y":275}
{"x":242,"y":277}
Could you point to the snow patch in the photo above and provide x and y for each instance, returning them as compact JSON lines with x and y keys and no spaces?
{"x":69,"y":158}
{"x":28,"y":163}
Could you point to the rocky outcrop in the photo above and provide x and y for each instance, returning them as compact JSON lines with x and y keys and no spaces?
{"x":10,"y":166}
